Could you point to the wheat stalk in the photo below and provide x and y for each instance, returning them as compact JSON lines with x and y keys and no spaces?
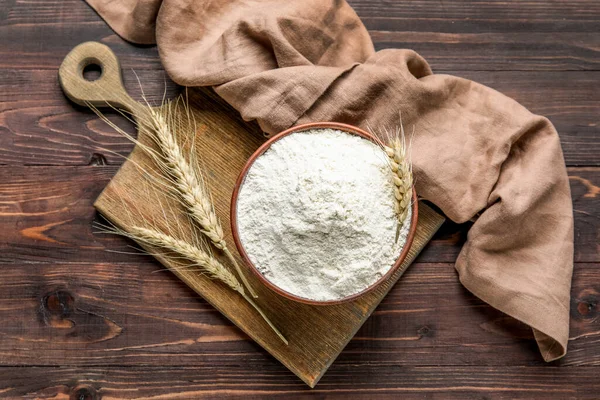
{"x":200,"y":258}
{"x":187,"y":181}
{"x":190,"y":185}
{"x":211,"y":267}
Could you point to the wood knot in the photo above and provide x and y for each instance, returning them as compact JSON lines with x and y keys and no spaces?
{"x":587,"y":307}
{"x":84,"y":392}
{"x":425,"y":331}
{"x":58,"y":304}
{"x":57,"y":308}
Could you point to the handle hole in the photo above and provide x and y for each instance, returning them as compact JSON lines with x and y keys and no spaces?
{"x":92,"y":72}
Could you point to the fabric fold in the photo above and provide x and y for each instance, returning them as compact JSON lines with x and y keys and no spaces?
{"x":475,"y":151}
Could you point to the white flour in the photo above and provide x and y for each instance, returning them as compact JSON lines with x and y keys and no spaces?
{"x":316,"y":214}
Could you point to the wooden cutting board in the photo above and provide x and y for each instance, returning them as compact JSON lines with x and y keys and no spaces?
{"x":223,"y":142}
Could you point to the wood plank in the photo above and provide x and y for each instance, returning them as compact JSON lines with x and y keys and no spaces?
{"x":46,"y":215}
{"x":531,"y":15}
{"x":453,"y":327}
{"x":359,"y":381}
{"x":481,"y":15}
{"x":23,"y":85}
{"x":37,"y":46}
{"x":38,"y":35}
{"x":38,"y":126}
{"x":488,"y":35}
{"x":452,"y":36}
{"x":483,"y":50}
{"x":138,"y":314}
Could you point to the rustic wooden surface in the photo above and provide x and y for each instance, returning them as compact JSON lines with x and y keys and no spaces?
{"x":78,"y":320}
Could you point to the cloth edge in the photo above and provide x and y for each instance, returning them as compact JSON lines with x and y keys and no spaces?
{"x":551,"y":342}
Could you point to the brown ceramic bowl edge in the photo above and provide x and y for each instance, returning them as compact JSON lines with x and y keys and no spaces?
{"x":234,"y":226}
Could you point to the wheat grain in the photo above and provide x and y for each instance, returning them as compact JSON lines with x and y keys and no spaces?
{"x":211,"y":267}
{"x":403,"y":179}
{"x":401,"y":167}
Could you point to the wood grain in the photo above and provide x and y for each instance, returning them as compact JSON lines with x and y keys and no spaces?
{"x":136,"y":314}
{"x":46,"y":215}
{"x":462,"y":51}
{"x":357,"y":381}
{"x":50,"y":131}
{"x":451,"y":35}
{"x":543,"y":53}
{"x":528,"y":46}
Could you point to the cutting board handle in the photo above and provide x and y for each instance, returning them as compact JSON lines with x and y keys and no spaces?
{"x":107,"y":90}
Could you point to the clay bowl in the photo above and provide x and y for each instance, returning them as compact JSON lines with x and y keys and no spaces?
{"x":234,"y":227}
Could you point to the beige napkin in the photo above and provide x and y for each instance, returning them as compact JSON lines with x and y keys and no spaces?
{"x":476,"y":153}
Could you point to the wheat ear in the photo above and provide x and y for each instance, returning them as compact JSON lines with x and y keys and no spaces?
{"x":191,"y":188}
{"x":187,"y":181}
{"x":394,"y":145}
{"x":202,"y":259}
{"x":402,"y":169}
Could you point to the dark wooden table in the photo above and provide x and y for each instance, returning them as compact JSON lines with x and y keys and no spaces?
{"x":79,"y":318}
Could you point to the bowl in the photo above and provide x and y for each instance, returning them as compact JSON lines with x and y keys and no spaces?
{"x":234,"y":226}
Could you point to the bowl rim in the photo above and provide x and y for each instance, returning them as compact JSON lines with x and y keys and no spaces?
{"x":234,"y":225}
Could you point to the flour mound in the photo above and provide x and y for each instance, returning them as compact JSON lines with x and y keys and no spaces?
{"x":316,"y":214}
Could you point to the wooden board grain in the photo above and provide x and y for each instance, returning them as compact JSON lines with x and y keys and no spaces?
{"x":49,"y":131}
{"x":355,"y":382}
{"x":47,"y":216}
{"x":493,"y":35}
{"x":222,"y":142}
{"x":135,"y":314}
